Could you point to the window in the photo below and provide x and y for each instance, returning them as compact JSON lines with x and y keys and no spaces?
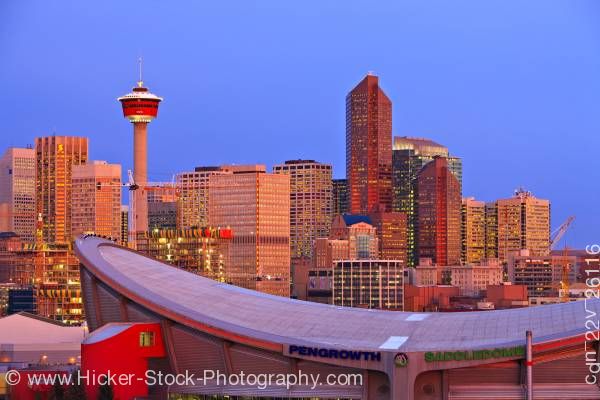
{"x":146,"y":339}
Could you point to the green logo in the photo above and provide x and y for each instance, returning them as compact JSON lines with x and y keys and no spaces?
{"x":401,"y":359}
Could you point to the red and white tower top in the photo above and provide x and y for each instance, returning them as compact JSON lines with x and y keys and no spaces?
{"x":140,"y":105}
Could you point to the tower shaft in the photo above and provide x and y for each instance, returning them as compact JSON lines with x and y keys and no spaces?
{"x":140,"y":174}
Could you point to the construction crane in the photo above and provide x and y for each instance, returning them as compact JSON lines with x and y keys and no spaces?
{"x":558,"y":233}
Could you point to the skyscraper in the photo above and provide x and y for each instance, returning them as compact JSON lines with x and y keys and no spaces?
{"x":310,"y":203}
{"x":192,"y":204}
{"x":17,"y":193}
{"x":340,"y":196}
{"x":491,"y":230}
{"x":55,"y":157}
{"x":256,"y":206}
{"x":473,"y":230}
{"x":409,"y":156}
{"x":96,"y":199}
{"x":162,"y":207}
{"x":392,"y":233}
{"x":368,"y":146}
{"x":523,"y":223}
{"x":124,"y":225}
{"x":438,"y":218}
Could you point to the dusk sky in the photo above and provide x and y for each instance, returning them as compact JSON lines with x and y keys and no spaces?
{"x":511,"y":86}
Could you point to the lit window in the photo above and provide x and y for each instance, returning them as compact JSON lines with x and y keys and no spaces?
{"x":146,"y":339}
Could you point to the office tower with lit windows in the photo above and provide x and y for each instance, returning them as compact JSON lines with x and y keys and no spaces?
{"x":368,"y":146}
{"x":96,"y":199}
{"x":439,"y":213}
{"x":392,"y":233}
{"x":523,"y":223}
{"x":17,"y":193}
{"x":256,"y":206}
{"x":473,"y":231}
{"x":491,"y":230}
{"x":162,"y":207}
{"x":192,"y":202}
{"x":340,"y":196}
{"x":124,"y":225}
{"x":55,"y":158}
{"x":409,"y":156}
{"x":310,"y":203}
{"x":374,"y":284}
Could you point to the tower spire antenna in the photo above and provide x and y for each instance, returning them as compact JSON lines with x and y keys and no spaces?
{"x":140,"y":63}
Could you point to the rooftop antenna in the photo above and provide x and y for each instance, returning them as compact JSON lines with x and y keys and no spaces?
{"x":140,"y":81}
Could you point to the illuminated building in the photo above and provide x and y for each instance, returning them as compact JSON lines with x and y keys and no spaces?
{"x":392,"y":233}
{"x":340,"y":196}
{"x":368,"y":284}
{"x":310,"y":203}
{"x":201,"y":251}
{"x":124,"y":225}
{"x":17,"y":193}
{"x":368,"y":147}
{"x":140,"y":107}
{"x":162,"y":207}
{"x":52,"y":270}
{"x":473,"y":231}
{"x":256,"y":206}
{"x":55,"y":157}
{"x":438,"y":216}
{"x":96,"y":199}
{"x":409,"y":156}
{"x":491,"y":230}
{"x":542,"y":274}
{"x":192,"y":204}
{"x":9,"y":243}
{"x":523,"y":223}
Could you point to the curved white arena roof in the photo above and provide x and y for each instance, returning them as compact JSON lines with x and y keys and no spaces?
{"x":211,"y":306}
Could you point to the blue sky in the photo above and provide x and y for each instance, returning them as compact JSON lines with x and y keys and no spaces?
{"x":511,"y":86}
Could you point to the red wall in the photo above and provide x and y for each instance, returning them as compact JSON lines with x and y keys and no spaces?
{"x":122,"y":354}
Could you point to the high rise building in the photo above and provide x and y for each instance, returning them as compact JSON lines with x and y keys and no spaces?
{"x":368,"y":146}
{"x":96,"y":199}
{"x":200,"y":251}
{"x":17,"y":193}
{"x":369,"y":284}
{"x":310,"y":203}
{"x":55,"y":158}
{"x":473,"y":231}
{"x":256,"y":206}
{"x":192,"y":204}
{"x":124,"y":225}
{"x":140,"y":107}
{"x":392,"y":233}
{"x":409,"y":156}
{"x":491,"y":230}
{"x":340,"y":196}
{"x":542,"y":274}
{"x":162,"y":207}
{"x":438,"y":218}
{"x":523,"y":223}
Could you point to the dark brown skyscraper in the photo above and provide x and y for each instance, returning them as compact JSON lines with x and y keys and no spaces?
{"x":368,"y":147}
{"x":439,"y":213}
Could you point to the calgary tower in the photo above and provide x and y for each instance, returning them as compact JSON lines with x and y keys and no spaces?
{"x":140,"y":107}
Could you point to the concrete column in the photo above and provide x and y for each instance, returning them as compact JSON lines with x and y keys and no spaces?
{"x":529,"y":364}
{"x":140,"y":175}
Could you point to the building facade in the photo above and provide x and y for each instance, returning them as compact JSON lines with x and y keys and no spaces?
{"x":192,"y":204}
{"x":439,"y":213}
{"x":124,"y":225}
{"x":543,"y":275}
{"x":340,"y":196}
{"x":368,"y":146}
{"x":473,"y":230}
{"x":55,"y":158}
{"x":369,"y":284}
{"x":17,"y":193}
{"x":310,"y":203}
{"x":392,"y":230}
{"x":409,"y":156}
{"x":96,"y":199}
{"x":256,"y":206}
{"x":201,"y":251}
{"x":523,"y":223}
